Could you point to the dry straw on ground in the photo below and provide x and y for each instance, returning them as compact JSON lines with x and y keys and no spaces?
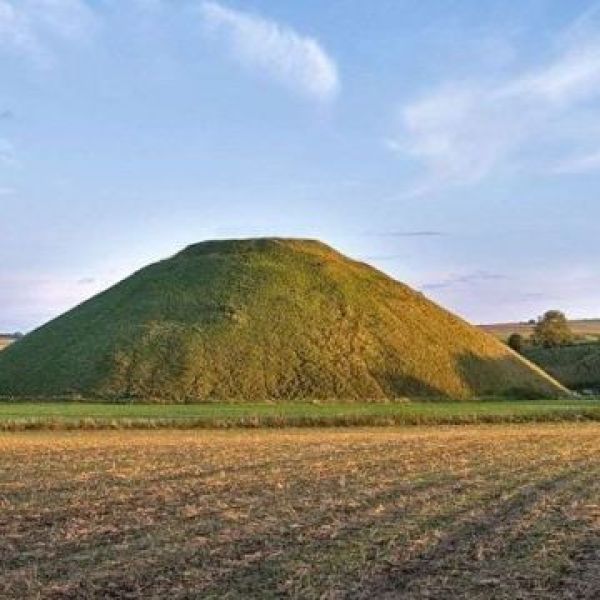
{"x":478,"y":512}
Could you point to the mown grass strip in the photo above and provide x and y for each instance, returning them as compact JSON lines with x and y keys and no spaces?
{"x":284,"y":421}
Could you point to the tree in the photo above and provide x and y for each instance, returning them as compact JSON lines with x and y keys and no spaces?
{"x":516,"y":342}
{"x":552,"y":329}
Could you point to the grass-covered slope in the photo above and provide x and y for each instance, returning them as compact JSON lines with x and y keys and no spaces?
{"x":262,"y":319}
{"x":577,"y":366}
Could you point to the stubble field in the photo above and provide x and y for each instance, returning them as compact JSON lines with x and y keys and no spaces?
{"x":496,"y":511}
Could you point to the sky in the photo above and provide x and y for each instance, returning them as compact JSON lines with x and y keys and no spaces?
{"x":454,"y":144}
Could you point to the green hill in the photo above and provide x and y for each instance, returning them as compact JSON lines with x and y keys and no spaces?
{"x":261,"y":319}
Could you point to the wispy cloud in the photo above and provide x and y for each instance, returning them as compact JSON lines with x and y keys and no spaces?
{"x":7,"y":153}
{"x":413,"y":234}
{"x":33,"y":27}
{"x":296,"y":61}
{"x":86,"y":281}
{"x":381,"y":257}
{"x":462,"y":132}
{"x":463,"y":279}
{"x":580,"y":164}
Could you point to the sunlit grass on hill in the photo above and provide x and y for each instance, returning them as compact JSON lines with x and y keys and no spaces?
{"x":272,"y":318}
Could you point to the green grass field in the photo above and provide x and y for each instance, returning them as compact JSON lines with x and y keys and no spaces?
{"x":67,"y":415}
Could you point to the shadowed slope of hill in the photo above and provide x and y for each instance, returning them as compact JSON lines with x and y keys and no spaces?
{"x":263,"y":319}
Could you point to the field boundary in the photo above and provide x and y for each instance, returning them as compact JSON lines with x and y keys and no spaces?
{"x":282,"y":422}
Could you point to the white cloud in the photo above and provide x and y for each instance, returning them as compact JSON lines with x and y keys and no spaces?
{"x":7,"y":153}
{"x":463,"y":132}
{"x":14,"y":29}
{"x":296,"y":61}
{"x":580,"y":164}
{"x":67,"y":19}
{"x":32,"y":27}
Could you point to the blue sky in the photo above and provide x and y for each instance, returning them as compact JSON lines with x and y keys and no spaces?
{"x":454,"y":144}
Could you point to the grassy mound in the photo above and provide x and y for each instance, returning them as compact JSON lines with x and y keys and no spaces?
{"x":260,"y":319}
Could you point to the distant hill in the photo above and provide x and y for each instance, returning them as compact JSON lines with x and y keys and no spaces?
{"x":262,"y":319}
{"x":587,"y":329}
{"x":6,"y":339}
{"x":577,"y":366}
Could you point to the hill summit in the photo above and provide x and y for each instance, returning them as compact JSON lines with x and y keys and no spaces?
{"x":260,"y":319}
